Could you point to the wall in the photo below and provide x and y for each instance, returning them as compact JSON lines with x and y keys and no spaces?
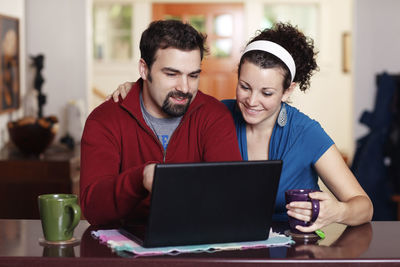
{"x":16,"y":9}
{"x":377,"y":42}
{"x":330,"y":98}
{"x":59,"y":30}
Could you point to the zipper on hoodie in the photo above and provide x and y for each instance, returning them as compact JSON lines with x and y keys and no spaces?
{"x":149,"y":132}
{"x":164,"y":151}
{"x":184,"y":118}
{"x":153,"y":134}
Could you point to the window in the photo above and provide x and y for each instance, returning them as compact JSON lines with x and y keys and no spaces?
{"x":305,"y":16}
{"x":112,"y":28}
{"x":223,"y":30}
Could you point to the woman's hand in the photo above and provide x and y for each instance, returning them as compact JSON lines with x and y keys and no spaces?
{"x":349,"y":204}
{"x":329,"y":211}
{"x":123,"y":90}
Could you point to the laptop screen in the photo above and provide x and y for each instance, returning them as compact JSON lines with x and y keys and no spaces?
{"x":212,"y":202}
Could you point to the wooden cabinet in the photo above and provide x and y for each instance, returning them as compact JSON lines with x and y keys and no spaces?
{"x":23,"y":179}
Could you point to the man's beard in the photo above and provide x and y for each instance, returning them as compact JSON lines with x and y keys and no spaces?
{"x":176,"y":110}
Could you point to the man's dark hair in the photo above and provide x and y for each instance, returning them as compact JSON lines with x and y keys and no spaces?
{"x":163,"y":34}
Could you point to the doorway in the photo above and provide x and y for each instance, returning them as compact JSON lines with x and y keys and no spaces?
{"x":223,"y":25}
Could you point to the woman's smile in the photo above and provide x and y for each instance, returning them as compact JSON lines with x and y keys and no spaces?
{"x":253,"y":111}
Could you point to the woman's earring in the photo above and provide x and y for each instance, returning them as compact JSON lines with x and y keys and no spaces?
{"x":282,"y":117}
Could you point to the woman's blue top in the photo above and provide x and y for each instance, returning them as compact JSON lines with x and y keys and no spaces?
{"x":299,"y":144}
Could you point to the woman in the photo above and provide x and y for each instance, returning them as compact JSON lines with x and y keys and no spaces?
{"x":272,"y":65}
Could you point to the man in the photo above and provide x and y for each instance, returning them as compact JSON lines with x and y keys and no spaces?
{"x":163,"y":119}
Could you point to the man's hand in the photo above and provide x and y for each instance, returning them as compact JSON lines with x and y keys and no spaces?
{"x":148,"y":176}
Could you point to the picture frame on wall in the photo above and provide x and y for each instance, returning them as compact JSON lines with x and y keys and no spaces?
{"x":9,"y":64}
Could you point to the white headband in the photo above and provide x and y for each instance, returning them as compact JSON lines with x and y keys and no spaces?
{"x":275,"y":50}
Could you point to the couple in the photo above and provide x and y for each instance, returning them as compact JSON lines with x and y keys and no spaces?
{"x":164,"y":118}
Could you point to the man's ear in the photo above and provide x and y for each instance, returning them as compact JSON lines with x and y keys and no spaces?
{"x":143,"y":69}
{"x":288,"y":92}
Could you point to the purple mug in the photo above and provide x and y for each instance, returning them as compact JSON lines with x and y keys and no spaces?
{"x":302,"y":195}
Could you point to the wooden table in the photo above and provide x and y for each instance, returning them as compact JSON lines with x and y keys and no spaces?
{"x":372,"y":244}
{"x":23,"y":178}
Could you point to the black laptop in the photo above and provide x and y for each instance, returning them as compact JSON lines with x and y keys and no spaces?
{"x":209,"y":202}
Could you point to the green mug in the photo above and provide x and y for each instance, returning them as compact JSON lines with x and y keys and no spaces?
{"x":60,"y":214}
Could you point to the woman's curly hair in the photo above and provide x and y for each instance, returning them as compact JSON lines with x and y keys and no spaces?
{"x":300,"y":47}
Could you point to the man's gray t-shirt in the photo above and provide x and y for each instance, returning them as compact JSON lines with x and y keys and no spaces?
{"x":162,"y":127}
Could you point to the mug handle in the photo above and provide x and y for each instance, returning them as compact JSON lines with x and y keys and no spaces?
{"x":315,"y":209}
{"x":76,"y":216}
